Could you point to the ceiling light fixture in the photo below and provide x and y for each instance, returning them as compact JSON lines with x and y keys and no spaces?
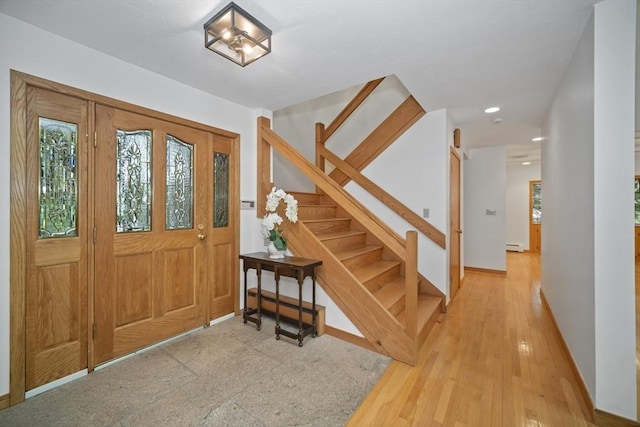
{"x":492,"y":110}
{"x":536,"y":139}
{"x":236,"y":35}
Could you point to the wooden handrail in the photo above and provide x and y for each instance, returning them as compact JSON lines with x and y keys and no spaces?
{"x":359,"y":212}
{"x":385,"y":134}
{"x":394,"y":204}
{"x":350,"y":108}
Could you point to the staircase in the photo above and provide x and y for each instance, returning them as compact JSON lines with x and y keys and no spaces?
{"x":375,"y":300}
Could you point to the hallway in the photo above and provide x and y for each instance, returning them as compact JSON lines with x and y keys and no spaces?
{"x":495,"y":359}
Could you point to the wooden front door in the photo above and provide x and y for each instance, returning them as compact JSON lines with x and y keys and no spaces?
{"x":113,"y":247}
{"x":152,"y":215}
{"x":455,"y":226}
{"x":56,"y":236}
{"x":222,"y":227}
{"x":535,"y":216}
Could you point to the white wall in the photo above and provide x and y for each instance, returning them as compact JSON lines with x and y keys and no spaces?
{"x":63,"y":61}
{"x":637,"y":119}
{"x":567,"y":237}
{"x":485,"y":182}
{"x":614,"y":129}
{"x":517,"y":200}
{"x":414,"y":169}
{"x":296,"y":124}
{"x":587,"y":237}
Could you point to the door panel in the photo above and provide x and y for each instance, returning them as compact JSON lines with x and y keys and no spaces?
{"x":151,"y":267}
{"x":223,"y":258}
{"x":56,"y":289}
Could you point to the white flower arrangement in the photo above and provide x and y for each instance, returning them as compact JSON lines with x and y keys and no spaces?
{"x":272,"y":219}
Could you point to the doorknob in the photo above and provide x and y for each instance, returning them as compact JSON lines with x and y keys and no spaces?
{"x":459,"y":231}
{"x":201,"y":235}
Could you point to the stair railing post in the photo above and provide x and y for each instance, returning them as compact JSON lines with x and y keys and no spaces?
{"x":320,"y":141}
{"x":411,"y":283}
{"x":264,"y":167}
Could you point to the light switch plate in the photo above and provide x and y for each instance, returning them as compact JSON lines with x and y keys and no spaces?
{"x":247,"y":204}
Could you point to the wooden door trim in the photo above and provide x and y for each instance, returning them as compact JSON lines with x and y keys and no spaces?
{"x":18,"y":210}
{"x":18,"y":247}
{"x":453,"y":153}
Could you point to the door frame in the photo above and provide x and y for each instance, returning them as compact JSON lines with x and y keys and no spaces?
{"x":18,"y":210}
{"x":531,"y":224}
{"x":457,"y":233}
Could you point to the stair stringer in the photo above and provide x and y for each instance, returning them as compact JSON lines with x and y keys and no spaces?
{"x":379,"y":327}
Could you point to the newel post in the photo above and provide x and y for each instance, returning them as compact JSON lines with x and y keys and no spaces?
{"x":411,"y":283}
{"x":263,"y":186}
{"x":320,"y":141}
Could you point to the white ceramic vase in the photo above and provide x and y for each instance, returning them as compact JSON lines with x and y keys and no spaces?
{"x":274,"y":253}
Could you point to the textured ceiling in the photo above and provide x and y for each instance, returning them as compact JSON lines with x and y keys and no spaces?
{"x":463,"y":55}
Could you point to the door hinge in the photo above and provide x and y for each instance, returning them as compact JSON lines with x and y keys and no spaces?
{"x":95,"y":139}
{"x":94,"y":331}
{"x":95,"y":234}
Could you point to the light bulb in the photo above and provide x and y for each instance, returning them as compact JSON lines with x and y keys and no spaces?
{"x":247,"y":48}
{"x":491,"y":110}
{"x":226,"y":35}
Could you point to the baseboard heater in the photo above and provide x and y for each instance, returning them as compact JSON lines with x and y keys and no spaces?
{"x":514,"y":247}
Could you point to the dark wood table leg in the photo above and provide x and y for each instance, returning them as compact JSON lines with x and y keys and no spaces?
{"x":313,"y":305}
{"x":300,"y":328}
{"x":259,"y":297}
{"x":276,"y":274}
{"x":246,"y":297}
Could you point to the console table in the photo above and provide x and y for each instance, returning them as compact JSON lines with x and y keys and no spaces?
{"x":297,"y":268}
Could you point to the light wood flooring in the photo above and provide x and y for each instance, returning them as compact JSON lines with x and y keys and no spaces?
{"x":638,"y":336}
{"x":495,"y":359}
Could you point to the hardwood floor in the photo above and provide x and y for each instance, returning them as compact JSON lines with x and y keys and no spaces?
{"x":637,"y":273}
{"x":494,"y":359}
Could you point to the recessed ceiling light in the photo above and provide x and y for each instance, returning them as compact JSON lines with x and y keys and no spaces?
{"x":536,"y":139}
{"x":526,"y":163}
{"x":492,"y":110}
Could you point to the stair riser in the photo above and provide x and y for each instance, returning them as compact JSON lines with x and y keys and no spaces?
{"x":363,"y":259}
{"x":329,"y":226}
{"x":350,"y":242}
{"x":397,"y":307}
{"x":316,"y":212}
{"x":387,"y":276}
{"x":308,"y":198}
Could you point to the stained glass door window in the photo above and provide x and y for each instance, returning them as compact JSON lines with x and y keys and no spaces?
{"x":58,"y":197}
{"x":179,"y":185}
{"x":133,"y":180}
{"x":221,"y":190}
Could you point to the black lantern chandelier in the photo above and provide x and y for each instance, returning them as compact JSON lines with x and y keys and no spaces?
{"x":236,"y":35}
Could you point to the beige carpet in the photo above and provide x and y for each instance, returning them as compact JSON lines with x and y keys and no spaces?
{"x":226,"y":375}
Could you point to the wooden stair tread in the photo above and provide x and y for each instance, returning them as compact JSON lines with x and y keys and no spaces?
{"x":391,"y":293}
{"x":350,"y":253}
{"x":308,"y":206}
{"x":428,"y":307}
{"x":340,"y":234}
{"x":319,"y":220}
{"x":374,"y":269}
